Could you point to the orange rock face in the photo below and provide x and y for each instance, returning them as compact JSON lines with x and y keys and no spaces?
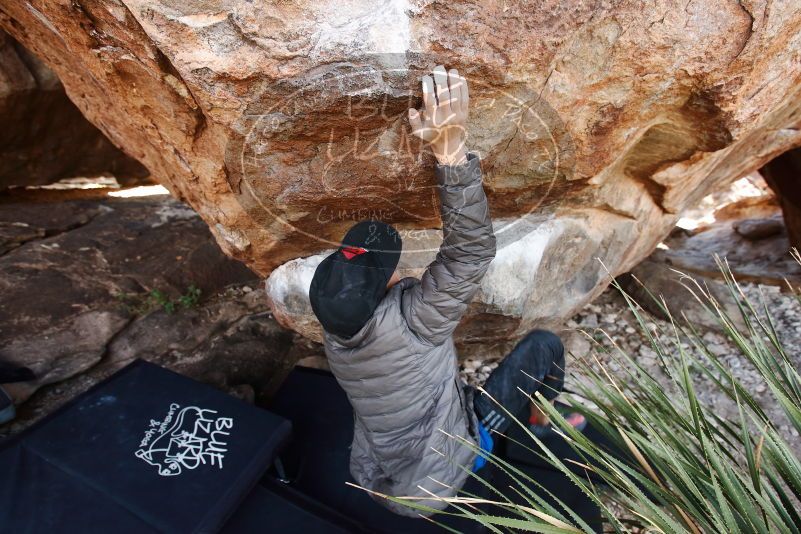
{"x":283,"y":122}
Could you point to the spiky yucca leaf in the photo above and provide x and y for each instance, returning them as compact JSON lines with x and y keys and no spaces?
{"x":683,"y":468}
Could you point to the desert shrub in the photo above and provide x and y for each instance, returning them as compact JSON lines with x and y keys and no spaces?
{"x":683,"y":467}
{"x":156,"y":299}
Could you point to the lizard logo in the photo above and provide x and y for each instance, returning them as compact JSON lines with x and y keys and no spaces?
{"x":185,"y":439}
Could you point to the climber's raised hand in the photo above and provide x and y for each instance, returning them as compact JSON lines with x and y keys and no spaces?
{"x":442,"y":121}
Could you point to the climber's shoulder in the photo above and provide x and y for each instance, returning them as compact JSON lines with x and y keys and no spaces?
{"x":390,"y":309}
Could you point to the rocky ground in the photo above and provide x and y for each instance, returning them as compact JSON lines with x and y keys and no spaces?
{"x":610,"y":322}
{"x":90,"y":281}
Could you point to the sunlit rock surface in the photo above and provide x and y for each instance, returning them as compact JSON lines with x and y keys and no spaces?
{"x":282,"y":123}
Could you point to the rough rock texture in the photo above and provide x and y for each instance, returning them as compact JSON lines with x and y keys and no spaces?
{"x":749,"y":235}
{"x":77,"y":299}
{"x":43,"y":136}
{"x":282,"y":122}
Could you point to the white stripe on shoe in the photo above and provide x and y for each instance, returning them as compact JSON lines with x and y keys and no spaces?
{"x":487,"y":417}
{"x":496,"y":421}
{"x":500,"y":421}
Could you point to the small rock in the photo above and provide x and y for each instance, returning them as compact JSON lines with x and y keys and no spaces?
{"x":577,"y":344}
{"x":473,"y":365}
{"x":717,"y":350}
{"x":609,"y":318}
{"x":712,"y":337}
{"x":756,"y":229}
{"x":590,"y":321}
{"x":647,"y":353}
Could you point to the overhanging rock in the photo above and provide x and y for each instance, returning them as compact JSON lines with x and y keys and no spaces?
{"x":281,"y":123}
{"x":530,"y":281}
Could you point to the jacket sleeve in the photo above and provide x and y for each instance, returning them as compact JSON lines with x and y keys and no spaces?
{"x":435,"y":306}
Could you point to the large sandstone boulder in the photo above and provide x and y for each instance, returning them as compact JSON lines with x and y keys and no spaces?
{"x":43,"y":136}
{"x":283,"y":122}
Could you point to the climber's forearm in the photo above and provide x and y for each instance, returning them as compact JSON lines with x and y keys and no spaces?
{"x":434,"y":307}
{"x":466,"y":224}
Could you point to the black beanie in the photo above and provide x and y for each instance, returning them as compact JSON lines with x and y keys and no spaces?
{"x":348,"y":285}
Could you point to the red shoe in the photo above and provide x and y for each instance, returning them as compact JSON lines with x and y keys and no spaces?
{"x":574,"y":419}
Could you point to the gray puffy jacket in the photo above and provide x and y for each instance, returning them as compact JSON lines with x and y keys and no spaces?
{"x":400,"y":370}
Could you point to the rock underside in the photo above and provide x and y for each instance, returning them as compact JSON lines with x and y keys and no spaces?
{"x":282,"y":123}
{"x":43,"y":136}
{"x":746,"y":237}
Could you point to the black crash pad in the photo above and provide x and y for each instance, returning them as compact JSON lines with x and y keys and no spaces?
{"x":275,"y":507}
{"x":147,"y":450}
{"x":317,"y":461}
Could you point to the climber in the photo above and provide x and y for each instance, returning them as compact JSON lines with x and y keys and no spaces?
{"x":389,"y":340}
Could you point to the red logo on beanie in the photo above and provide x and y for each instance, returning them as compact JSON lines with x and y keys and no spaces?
{"x":352,"y":252}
